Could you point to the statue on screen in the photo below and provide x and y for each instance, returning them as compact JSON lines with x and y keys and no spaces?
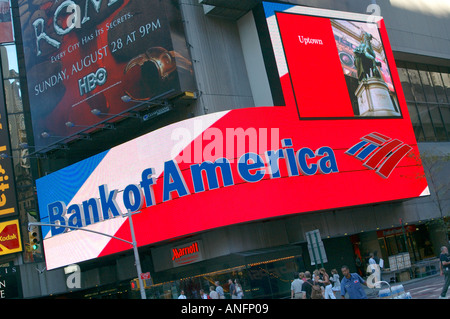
{"x":365,"y":60}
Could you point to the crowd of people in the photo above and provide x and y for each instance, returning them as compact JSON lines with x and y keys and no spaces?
{"x":217,"y":292}
{"x":321,"y":285}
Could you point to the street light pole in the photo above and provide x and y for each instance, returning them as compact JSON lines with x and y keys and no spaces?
{"x":406,"y":244}
{"x":133,"y":243}
{"x":136,"y":256}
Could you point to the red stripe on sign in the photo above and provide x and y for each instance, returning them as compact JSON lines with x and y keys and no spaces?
{"x":388,"y":166}
{"x":379,"y":156}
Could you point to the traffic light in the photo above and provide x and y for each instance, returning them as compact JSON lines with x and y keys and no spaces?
{"x":34,"y":240}
{"x":135,"y":284}
{"x":148,"y":283}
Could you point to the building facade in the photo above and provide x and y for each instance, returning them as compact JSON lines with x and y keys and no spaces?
{"x":222,"y":69}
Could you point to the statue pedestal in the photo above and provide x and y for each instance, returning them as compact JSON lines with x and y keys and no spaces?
{"x":374,"y":98}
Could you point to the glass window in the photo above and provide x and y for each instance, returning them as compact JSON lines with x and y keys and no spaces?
{"x":446,"y":80}
{"x":427,"y":92}
{"x":436,"y":118}
{"x":269,"y":279}
{"x":436,"y":80}
{"x":406,"y":84}
{"x":427,"y":125}
{"x":415,"y":120}
{"x":445,"y":111}
{"x":428,"y":88}
{"x":10,"y":67}
{"x":13,"y":95}
{"x":416,"y":85}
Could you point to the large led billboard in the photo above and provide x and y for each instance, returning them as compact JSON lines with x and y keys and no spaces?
{"x":83,"y":56}
{"x":246,"y":164}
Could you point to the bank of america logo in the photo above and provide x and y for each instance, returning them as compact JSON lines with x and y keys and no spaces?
{"x":379,"y":152}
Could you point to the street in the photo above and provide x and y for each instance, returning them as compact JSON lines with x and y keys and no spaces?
{"x":423,"y":288}
{"x":428,"y":288}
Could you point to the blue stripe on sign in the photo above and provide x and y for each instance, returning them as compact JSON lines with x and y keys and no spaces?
{"x":366,"y":152}
{"x":354,"y":149}
{"x":62,"y":185}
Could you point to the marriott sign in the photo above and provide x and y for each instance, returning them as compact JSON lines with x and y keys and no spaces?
{"x":187,"y":254}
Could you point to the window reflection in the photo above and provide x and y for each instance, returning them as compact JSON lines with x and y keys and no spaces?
{"x":269,"y":279}
{"x":427,"y":92}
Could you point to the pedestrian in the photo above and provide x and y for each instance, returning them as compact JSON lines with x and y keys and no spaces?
{"x":182,"y":295}
{"x":213,"y":293}
{"x":232,"y":289}
{"x":372,"y":263}
{"x":317,"y":287}
{"x":359,"y":265}
{"x":328,"y":293}
{"x":316,"y":273}
{"x":239,"y":290}
{"x":352,"y":284}
{"x":296,"y":287}
{"x":302,"y":276}
{"x":203,"y":295}
{"x":335,"y":280}
{"x":307,"y":286}
{"x":445,"y":270}
{"x":219,"y":290}
{"x":376,"y":258}
{"x":194,"y":293}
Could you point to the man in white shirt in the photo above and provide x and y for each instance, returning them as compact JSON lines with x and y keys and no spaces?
{"x":296,"y":287}
{"x":219,"y":290}
{"x":182,"y":295}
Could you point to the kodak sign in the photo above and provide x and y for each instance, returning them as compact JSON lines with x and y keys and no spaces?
{"x":10,"y":241}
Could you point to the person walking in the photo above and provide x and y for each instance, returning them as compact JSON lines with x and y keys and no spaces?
{"x":313,"y":288}
{"x":213,"y":293}
{"x":351,"y":284}
{"x":307,"y":286}
{"x":219,"y":290}
{"x":335,"y":280}
{"x":203,"y":294}
{"x":328,"y":294}
{"x":317,"y":288}
{"x":372,"y":263}
{"x":296,"y":287}
{"x":239,"y":290}
{"x":232,"y":289}
{"x":445,"y":270}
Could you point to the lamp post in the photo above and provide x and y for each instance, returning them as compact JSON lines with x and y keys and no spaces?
{"x":132,"y":242}
{"x":405,"y":243}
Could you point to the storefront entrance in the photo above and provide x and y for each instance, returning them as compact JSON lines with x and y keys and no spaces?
{"x":263,"y":274}
{"x":407,"y":252}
